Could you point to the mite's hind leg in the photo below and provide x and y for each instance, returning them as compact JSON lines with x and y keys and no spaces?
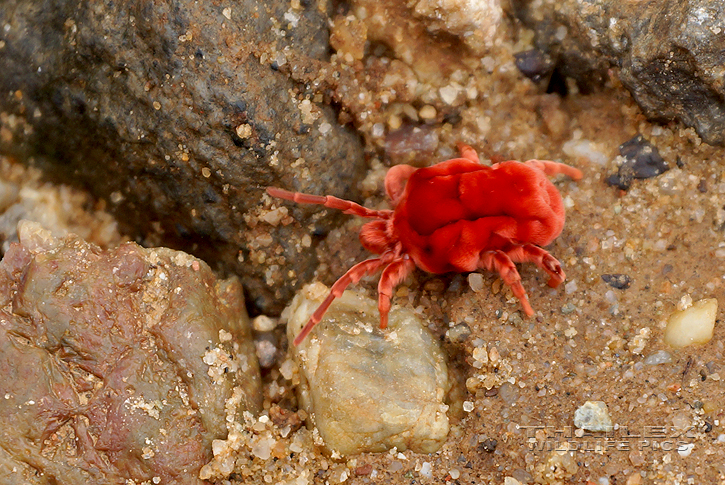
{"x":500,"y":262}
{"x":528,"y":253}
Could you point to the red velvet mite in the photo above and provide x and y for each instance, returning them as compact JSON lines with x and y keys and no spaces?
{"x":454,"y":216}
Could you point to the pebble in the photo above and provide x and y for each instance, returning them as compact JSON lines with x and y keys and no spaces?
{"x":266,"y":351}
{"x":263,"y":323}
{"x":487,"y":444}
{"x":426,"y":470}
{"x":449,"y":93}
{"x":682,"y":420}
{"x":427,"y":112}
{"x":593,"y":416}
{"x":659,"y":357}
{"x":619,"y":281}
{"x":262,"y":447}
{"x":685,"y":450}
{"x":693,"y":325}
{"x":568,"y":308}
{"x":475,"y":281}
{"x":571,"y":287}
{"x":458,"y":333}
{"x":410,"y":143}
{"x":534,"y":64}
{"x":585,"y":149}
{"x":641,"y":161}
{"x":509,"y":393}
{"x":366,"y":389}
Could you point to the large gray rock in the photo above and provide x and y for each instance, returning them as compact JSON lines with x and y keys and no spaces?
{"x":671,"y":53}
{"x":116,"y":366}
{"x":175,"y":111}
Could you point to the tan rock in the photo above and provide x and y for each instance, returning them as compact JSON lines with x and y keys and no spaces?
{"x":366,"y":389}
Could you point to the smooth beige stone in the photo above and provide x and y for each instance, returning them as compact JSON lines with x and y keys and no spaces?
{"x":366,"y":389}
{"x":693,"y":325}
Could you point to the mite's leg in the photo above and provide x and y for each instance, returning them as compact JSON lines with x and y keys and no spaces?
{"x":500,"y":262}
{"x":353,"y":275}
{"x":347,"y":206}
{"x":528,"y":253}
{"x":553,"y":168}
{"x":393,"y":274}
{"x":468,"y":152}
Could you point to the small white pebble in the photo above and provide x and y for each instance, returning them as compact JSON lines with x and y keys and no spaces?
{"x":684,"y":303}
{"x":585,"y":149}
{"x":263,"y":323}
{"x":659,"y":357}
{"x":568,"y":202}
{"x":449,"y":94}
{"x":225,"y":336}
{"x":475,"y":281}
{"x":280,"y":58}
{"x":682,"y":420}
{"x":593,"y":416}
{"x":426,"y":470}
{"x":685,"y":450}
{"x":489,"y":63}
{"x":262,"y":448}
{"x":467,"y":406}
{"x":287,"y":369}
{"x":274,"y":217}
{"x":570,"y":287}
{"x":695,"y":325}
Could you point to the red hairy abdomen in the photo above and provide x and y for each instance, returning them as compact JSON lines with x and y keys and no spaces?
{"x":449,"y":214}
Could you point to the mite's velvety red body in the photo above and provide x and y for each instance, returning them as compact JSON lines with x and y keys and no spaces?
{"x":455,"y":216}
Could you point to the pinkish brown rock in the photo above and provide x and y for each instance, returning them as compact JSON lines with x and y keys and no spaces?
{"x":115,"y":365}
